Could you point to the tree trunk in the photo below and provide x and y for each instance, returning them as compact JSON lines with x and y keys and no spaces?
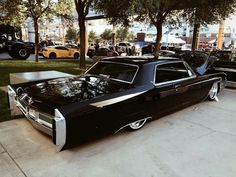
{"x":36,"y":40}
{"x":82,"y":41}
{"x":158,"y":38}
{"x":195,"y":36}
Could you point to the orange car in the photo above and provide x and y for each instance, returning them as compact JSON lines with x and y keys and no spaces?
{"x":59,"y":52}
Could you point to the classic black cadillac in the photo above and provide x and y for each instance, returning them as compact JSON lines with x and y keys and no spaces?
{"x":115,"y":93}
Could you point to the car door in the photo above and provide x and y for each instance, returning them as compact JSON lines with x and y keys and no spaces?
{"x":172,"y":87}
{"x":62,"y":52}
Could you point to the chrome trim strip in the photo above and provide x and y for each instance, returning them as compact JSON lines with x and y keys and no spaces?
{"x":230,"y":84}
{"x":41,"y":127}
{"x":11,"y":97}
{"x":225,"y":69}
{"x":173,"y":81}
{"x":116,"y":100}
{"x":42,"y":122}
{"x":60,"y":130}
{"x":21,"y":107}
{"x":168,"y":82}
{"x":119,"y":64}
{"x":132,"y":122}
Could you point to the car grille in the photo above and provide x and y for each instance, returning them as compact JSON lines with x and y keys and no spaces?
{"x":45,"y":119}
{"x":22,"y":105}
{"x":42,"y":120}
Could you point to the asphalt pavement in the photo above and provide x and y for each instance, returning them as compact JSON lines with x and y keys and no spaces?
{"x":5,"y":55}
{"x":199,"y":141}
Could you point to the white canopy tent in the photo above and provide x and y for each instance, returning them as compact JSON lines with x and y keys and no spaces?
{"x":170,"y":39}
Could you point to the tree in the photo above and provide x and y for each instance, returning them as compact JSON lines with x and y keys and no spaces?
{"x":14,"y":12}
{"x":64,"y":10}
{"x":82,"y":8}
{"x":71,"y":34}
{"x":107,"y":34}
{"x":207,"y":12}
{"x":10,"y":13}
{"x":91,"y":36}
{"x":35,"y":10}
{"x":122,"y":33}
{"x":131,"y":36}
{"x":154,"y":12}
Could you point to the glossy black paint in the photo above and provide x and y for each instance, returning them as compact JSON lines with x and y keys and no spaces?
{"x":228,"y":67}
{"x":226,"y":63}
{"x":105,"y":103}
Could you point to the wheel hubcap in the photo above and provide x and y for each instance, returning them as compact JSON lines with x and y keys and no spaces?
{"x":138,"y":124}
{"x":213,"y":91}
{"x":22,"y":52}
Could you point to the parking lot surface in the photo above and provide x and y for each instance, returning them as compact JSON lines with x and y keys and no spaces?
{"x":199,"y":141}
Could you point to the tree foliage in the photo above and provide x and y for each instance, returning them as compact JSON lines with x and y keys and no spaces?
{"x":158,"y":12}
{"x":10,"y":13}
{"x":207,"y":12}
{"x":15,"y":12}
{"x":107,"y":34}
{"x":35,"y":10}
{"x":92,"y":36}
{"x":154,"y":12}
{"x":71,"y":34}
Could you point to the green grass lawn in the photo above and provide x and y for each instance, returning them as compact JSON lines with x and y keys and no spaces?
{"x":17,"y":66}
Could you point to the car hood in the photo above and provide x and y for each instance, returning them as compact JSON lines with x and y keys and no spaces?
{"x":199,"y":62}
{"x":59,"y":92}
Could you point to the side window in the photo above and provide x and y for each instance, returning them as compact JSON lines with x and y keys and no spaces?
{"x":122,"y":44}
{"x":61,"y":48}
{"x":171,"y":72}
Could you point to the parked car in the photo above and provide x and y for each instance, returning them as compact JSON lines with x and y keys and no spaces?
{"x":186,"y":47}
{"x":73,"y":46}
{"x":166,"y":53}
{"x":30,"y":46}
{"x":54,"y":52}
{"x":102,"y":51}
{"x":15,"y":47}
{"x":124,"y":47}
{"x":226,"y":63}
{"x":115,"y":93}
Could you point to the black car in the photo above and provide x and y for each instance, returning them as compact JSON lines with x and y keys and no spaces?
{"x":102,"y":51}
{"x":115,"y":93}
{"x":226,"y":63}
{"x":15,"y":47}
{"x":30,"y":46}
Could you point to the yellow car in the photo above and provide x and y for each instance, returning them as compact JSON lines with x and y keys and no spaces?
{"x":59,"y":52}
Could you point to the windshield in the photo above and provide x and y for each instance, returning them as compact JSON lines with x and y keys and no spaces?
{"x":116,"y":71}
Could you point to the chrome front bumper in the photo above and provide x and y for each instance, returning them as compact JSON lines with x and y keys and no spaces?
{"x":53,"y":126}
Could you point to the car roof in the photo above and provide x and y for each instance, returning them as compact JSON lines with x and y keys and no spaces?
{"x":140,"y":60}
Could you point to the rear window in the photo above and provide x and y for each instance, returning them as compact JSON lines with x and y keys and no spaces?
{"x":116,"y":71}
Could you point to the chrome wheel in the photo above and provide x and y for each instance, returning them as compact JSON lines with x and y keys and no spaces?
{"x":23,"y":52}
{"x":213,"y":92}
{"x":137,"y":124}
